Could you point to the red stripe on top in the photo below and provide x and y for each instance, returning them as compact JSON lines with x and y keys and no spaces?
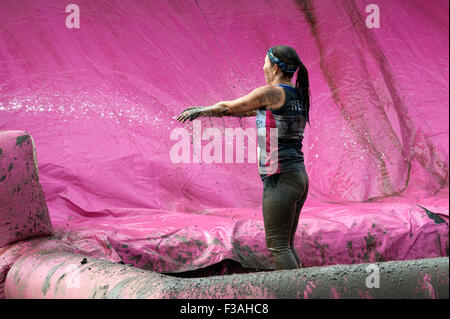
{"x":270,"y":123}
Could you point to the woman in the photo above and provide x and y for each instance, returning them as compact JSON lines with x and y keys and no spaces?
{"x":282,"y":108}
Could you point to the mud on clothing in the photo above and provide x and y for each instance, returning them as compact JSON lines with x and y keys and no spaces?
{"x":280,"y":136}
{"x":282,"y":170}
{"x":283,"y":197}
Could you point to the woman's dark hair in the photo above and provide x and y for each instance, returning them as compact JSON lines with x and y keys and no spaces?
{"x":288,"y":55}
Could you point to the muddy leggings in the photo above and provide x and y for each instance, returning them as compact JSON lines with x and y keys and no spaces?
{"x":283,"y":197}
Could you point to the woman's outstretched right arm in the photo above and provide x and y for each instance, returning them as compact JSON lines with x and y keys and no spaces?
{"x":247,"y":105}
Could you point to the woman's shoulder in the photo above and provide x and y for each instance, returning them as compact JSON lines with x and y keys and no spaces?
{"x":273,"y":92}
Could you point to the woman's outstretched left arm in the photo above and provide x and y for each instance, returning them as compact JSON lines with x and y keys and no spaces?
{"x":260,"y":97}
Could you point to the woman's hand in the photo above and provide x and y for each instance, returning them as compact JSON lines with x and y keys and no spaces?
{"x":190,"y":114}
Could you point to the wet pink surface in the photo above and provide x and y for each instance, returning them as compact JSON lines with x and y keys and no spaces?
{"x":99,"y":102}
{"x":60,"y":274}
{"x":12,"y":253}
{"x":23,"y":210}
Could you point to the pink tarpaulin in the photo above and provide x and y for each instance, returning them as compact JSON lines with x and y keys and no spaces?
{"x":100,"y":101}
{"x":23,"y":210}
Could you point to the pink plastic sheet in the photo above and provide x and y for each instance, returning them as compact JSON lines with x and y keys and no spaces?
{"x":23,"y":210}
{"x":100,"y":102}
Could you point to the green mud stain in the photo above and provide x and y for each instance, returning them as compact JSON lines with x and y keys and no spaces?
{"x":100,"y":292}
{"x":21,"y":139}
{"x":137,"y":258}
{"x":116,"y":292}
{"x":350,"y":250}
{"x":349,"y":245}
{"x":435,"y":217}
{"x":46,"y":285}
{"x":371,"y":245}
{"x":378,"y":257}
{"x":322,"y":249}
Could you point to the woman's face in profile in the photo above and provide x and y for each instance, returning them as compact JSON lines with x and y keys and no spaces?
{"x":267,"y":70}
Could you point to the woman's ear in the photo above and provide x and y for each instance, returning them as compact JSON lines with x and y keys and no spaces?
{"x":276,"y":69}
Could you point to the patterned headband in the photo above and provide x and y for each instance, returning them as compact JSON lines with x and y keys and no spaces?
{"x":283,"y":66}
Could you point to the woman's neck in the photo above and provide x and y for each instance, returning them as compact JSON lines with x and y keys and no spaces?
{"x":281,"y":81}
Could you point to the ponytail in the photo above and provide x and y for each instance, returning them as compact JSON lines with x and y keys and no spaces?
{"x":302,"y":87}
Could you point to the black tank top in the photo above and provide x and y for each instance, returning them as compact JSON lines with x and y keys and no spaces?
{"x":280,"y":136}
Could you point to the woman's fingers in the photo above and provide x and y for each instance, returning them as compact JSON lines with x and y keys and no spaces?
{"x":182,"y":116}
{"x":189,"y":113}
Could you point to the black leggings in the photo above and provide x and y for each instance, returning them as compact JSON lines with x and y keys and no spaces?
{"x":283,"y":197}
